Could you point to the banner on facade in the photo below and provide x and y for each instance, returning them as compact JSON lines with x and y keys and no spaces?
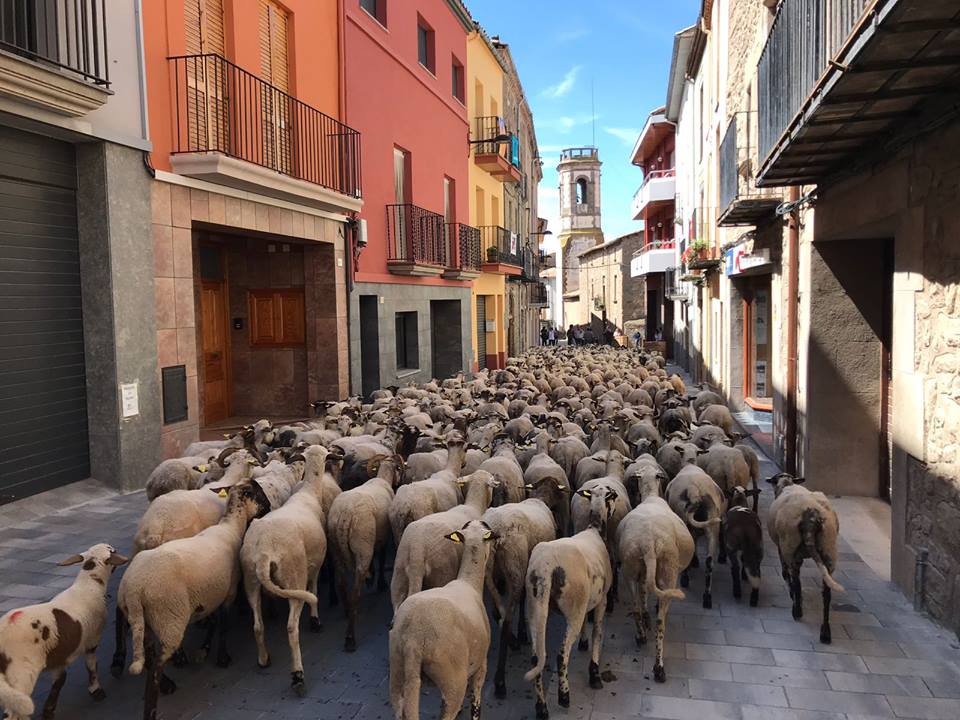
{"x":514,"y":242}
{"x":738,"y":261}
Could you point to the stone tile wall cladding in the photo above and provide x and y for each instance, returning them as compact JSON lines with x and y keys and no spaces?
{"x":177,"y":212}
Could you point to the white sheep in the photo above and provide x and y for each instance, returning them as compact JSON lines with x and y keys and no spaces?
{"x":574,"y":575}
{"x":51,"y":635}
{"x":444,"y":634}
{"x":283,"y":553}
{"x":520,"y":527}
{"x":803,"y":524}
{"x":439,"y":492}
{"x":701,"y":504}
{"x":182,"y":581}
{"x":422,"y":561}
{"x":653,"y":546}
{"x":358,"y":527}
{"x":503,"y":464}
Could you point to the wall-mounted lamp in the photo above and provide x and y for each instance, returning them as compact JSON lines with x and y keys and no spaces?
{"x":496,"y":140}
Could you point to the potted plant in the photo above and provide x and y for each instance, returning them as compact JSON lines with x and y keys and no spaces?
{"x":493,"y":254}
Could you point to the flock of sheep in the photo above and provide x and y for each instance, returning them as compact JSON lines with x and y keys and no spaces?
{"x":543,"y":483}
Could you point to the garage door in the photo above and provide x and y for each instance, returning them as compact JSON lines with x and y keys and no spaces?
{"x":43,"y":405}
{"x":481,"y":331}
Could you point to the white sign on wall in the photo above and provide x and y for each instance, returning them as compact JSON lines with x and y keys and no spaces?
{"x":760,"y":379}
{"x":129,"y":400}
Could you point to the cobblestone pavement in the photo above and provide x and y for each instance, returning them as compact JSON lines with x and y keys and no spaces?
{"x":732,"y":662}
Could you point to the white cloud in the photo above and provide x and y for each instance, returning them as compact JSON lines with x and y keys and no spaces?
{"x":564,"y":123}
{"x":628,"y":136}
{"x":564,"y":86}
{"x":565,"y":36}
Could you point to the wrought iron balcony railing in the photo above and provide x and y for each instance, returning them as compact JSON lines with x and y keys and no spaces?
{"x":499,"y":245}
{"x":416,"y":236}
{"x":69,"y":34}
{"x":581,"y":153}
{"x":463,"y":247}
{"x":222,"y":108}
{"x":741,"y":201}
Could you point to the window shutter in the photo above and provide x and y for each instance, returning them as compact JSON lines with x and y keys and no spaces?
{"x":204,"y":26}
{"x":192,"y":22}
{"x":274,"y":62}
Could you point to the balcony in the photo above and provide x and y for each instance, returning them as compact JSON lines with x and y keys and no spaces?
{"x":836,"y":77}
{"x":660,"y":186}
{"x":234,"y":129}
{"x":53,"y":54}
{"x":417,"y":241}
{"x":655,"y":257}
{"x":580,"y":153}
{"x":500,"y":159}
{"x":539,"y":296}
{"x":463,"y":252}
{"x":529,"y":264}
{"x":500,"y":250}
{"x":741,"y":201}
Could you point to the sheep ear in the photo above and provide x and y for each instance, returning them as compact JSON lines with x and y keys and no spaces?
{"x":117,"y":559}
{"x":612,"y":494}
{"x":584,"y":493}
{"x":456,"y":536}
{"x":799,"y":480}
{"x":772,"y":480}
{"x":72,"y":560}
{"x":490,"y":535}
{"x":753,"y":491}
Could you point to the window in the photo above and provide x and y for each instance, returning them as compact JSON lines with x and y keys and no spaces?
{"x":408,"y":351}
{"x":425,"y":45}
{"x":377,"y":9}
{"x":277,"y":317}
{"x":581,"y":191}
{"x":459,"y":92}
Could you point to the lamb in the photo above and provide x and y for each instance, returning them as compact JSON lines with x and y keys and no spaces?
{"x":51,"y":635}
{"x":743,"y":537}
{"x":574,"y":575}
{"x":439,"y":492}
{"x":182,"y":581}
{"x":803,"y":524}
{"x":283,"y":553}
{"x":444,"y":634}
{"x":653,"y":546}
{"x":358,"y":528}
{"x":422,"y":561}
{"x":520,"y":528}
{"x":697,"y":500}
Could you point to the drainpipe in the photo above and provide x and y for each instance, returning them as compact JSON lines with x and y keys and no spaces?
{"x":342,"y":57}
{"x":793,"y":271}
{"x":920,"y":578}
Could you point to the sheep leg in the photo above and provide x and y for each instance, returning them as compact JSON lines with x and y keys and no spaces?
{"x":659,"y":674}
{"x":353,"y":609}
{"x":825,"y":636}
{"x":542,"y":712}
{"x":293,"y":638}
{"x":254,"y":599}
{"x":204,"y":651}
{"x":312,"y":583}
{"x":93,"y":679}
{"x":50,"y":706}
{"x":574,"y":626}
{"x":382,"y":563}
{"x":120,"y":651}
{"x":152,"y":690}
{"x":452,"y":691}
{"x":499,"y":682}
{"x":476,"y":690}
{"x":596,"y":643}
{"x":796,"y":593}
{"x":735,"y":575}
{"x":641,"y":617}
{"x":722,"y":557}
{"x":223,"y":625}
{"x":712,"y":542}
{"x":584,"y":644}
{"x":522,"y":621}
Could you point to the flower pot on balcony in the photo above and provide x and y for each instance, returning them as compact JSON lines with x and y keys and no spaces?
{"x":493,"y":255}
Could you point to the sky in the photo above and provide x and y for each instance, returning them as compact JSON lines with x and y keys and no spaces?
{"x":622,"y":48}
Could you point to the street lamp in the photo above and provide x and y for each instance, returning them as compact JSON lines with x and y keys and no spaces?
{"x":495,"y":140}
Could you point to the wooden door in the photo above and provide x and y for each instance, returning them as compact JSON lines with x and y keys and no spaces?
{"x":206,"y":75}
{"x":275,"y":70}
{"x":216,"y":379}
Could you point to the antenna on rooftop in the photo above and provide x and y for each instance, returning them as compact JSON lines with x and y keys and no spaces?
{"x":593,"y":113}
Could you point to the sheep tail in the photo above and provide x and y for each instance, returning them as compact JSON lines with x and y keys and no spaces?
{"x":811,"y":525}
{"x":701,"y":524}
{"x":17,"y":703}
{"x":134,"y":613}
{"x":263,"y":568}
{"x":538,"y":608}
{"x":650,"y":560}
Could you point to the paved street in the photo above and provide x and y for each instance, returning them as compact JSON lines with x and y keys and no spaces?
{"x":731,"y":662}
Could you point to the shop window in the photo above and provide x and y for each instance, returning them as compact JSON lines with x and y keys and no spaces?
{"x":408,"y":350}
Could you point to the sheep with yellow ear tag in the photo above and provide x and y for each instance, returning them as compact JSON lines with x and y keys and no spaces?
{"x":444,"y":633}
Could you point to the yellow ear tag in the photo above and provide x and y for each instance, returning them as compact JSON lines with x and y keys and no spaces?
{"x":202,"y":468}
{"x":586,"y":493}
{"x":529,"y":487}
{"x":222,"y":493}
{"x":226,"y":435}
{"x":487,"y":535}
{"x":455,"y":537}
{"x":251,"y":461}
{"x":560,"y":487}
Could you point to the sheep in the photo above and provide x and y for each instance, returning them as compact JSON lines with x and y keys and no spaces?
{"x":718,"y":415}
{"x":803,"y":524}
{"x":704,"y":398}
{"x":574,"y":575}
{"x":642,"y":470}
{"x":743,"y":537}
{"x":697,"y":500}
{"x":182,"y":581}
{"x":728,"y":467}
{"x":358,"y":527}
{"x":580,"y":516}
{"x":444,"y":634}
{"x":520,"y":528}
{"x":421,"y":561}
{"x":503,"y":465}
{"x":182,"y":473}
{"x":674,"y":455}
{"x":543,"y":467}
{"x":753,"y":462}
{"x":283,"y":553}
{"x":595,"y":466}
{"x":51,"y":635}
{"x":653,"y":546}
{"x":706,"y":436}
{"x":441,"y":491}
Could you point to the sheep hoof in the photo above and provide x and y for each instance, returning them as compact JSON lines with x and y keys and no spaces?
{"x":98,"y":695}
{"x":265,"y":664}
{"x":299,"y":687}
{"x":563,"y":698}
{"x":179,"y":659}
{"x":116,"y":667}
{"x":583,"y":644}
{"x":659,"y":674}
{"x":350,"y":645}
{"x":315,"y":625}
{"x":707,"y":601}
{"x":542,"y":712}
{"x":166,"y":686}
{"x":500,"y":689}
{"x":596,"y":682}
{"x":825,"y":636}
{"x":754,"y":598}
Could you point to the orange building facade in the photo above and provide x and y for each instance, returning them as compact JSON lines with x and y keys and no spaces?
{"x":256,"y":182}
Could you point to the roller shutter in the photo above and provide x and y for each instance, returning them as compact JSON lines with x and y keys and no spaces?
{"x":481,"y":331}
{"x":43,"y":397}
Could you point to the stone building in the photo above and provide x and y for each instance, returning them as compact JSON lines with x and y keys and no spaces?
{"x":601,"y":287}
{"x":580,"y":227}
